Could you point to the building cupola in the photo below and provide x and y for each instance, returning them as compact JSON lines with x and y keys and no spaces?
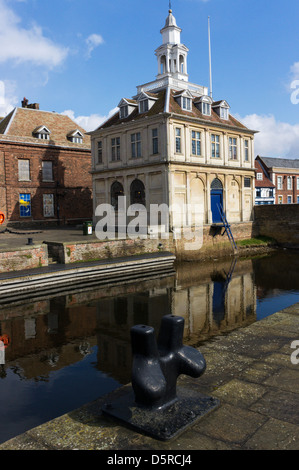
{"x":172,"y":55}
{"x":171,"y":33}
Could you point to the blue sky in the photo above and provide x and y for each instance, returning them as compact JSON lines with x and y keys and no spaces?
{"x":82,"y":57}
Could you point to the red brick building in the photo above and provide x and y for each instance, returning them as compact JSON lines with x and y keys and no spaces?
{"x":264,"y":188}
{"x":45,"y":161}
{"x":284,"y":173}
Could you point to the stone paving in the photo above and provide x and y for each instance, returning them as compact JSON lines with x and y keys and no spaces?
{"x":18,"y":238}
{"x":249,"y":370}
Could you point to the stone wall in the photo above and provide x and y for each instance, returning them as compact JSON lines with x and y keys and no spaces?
{"x":279,"y":221}
{"x":210,"y":245}
{"x":24,"y":258}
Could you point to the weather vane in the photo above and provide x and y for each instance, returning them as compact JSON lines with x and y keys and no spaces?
{"x":170,"y":9}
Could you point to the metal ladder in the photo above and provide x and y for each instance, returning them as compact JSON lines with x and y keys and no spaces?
{"x":227,"y":227}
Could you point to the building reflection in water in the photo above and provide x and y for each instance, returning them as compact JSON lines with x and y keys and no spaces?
{"x":53,"y":334}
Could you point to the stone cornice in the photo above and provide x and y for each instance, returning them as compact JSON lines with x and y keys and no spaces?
{"x":208,"y":124}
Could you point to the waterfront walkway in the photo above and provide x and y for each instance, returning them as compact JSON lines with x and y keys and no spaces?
{"x":249,"y":370}
{"x":14,"y":239}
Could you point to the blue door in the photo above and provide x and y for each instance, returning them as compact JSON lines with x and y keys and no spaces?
{"x":216,"y":200}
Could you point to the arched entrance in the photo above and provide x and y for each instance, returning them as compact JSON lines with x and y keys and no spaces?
{"x":137,"y":192}
{"x":117,"y":191}
{"x":216,"y":200}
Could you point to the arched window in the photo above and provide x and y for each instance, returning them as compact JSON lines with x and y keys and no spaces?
{"x":117,"y":190}
{"x":137,"y":192}
{"x":216,"y":184}
{"x":182,"y":64}
{"x":163,"y":64}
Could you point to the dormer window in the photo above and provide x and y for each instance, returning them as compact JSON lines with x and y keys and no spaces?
{"x":126,"y":107}
{"x":42,"y":133}
{"x":187,"y":104}
{"x":76,"y":137}
{"x":221,"y":108}
{"x":184,"y":100}
{"x":224,"y":113}
{"x":146,"y":101}
{"x":204,"y":104}
{"x":206,"y":109}
{"x":77,"y":140}
{"x":143,"y":106}
{"x":123,"y":112}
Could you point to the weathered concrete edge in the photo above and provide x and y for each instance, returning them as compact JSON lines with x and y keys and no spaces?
{"x":99,"y":273}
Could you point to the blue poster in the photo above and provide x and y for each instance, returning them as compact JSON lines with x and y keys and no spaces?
{"x":25,"y":205}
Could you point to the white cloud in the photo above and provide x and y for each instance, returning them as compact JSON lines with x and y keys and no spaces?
{"x":89,"y":123}
{"x":26,"y":45}
{"x":93,"y":41}
{"x":295,"y":71}
{"x":8,"y":98}
{"x":275,"y":138}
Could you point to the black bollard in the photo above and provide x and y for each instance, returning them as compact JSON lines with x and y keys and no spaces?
{"x":154,"y":404}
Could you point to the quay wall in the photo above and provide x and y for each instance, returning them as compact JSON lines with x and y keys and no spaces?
{"x":24,"y":258}
{"x":210,"y":244}
{"x":279,"y":221}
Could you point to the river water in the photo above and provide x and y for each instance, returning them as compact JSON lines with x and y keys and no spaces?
{"x":68,"y":350}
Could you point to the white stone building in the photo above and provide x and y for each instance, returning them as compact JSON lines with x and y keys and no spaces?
{"x":171,"y":143}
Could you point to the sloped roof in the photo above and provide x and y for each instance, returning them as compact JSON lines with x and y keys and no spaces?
{"x":157,"y":108}
{"x":272,"y":162}
{"x":20,"y":124}
{"x":265,"y":182}
{"x":175,"y":108}
{"x":5,"y":121}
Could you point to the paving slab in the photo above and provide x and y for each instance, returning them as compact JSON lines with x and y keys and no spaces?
{"x":17,"y":238}
{"x":274,"y":435}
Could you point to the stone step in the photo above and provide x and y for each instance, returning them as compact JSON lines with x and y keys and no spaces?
{"x":102,"y":273}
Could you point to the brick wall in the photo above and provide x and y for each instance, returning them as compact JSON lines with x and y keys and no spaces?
{"x":18,"y":260}
{"x":280,"y":222}
{"x":71,"y":186}
{"x":285,"y":192}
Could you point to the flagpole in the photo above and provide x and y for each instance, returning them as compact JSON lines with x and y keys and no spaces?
{"x":210,"y":57}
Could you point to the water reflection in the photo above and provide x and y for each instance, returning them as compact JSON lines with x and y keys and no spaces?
{"x":68,"y":350}
{"x":54,"y":333}
{"x":214,"y":298}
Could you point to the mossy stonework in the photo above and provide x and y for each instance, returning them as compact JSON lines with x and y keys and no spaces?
{"x":21,"y":259}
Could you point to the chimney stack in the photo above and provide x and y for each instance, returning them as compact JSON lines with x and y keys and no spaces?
{"x":30,"y":106}
{"x":24,"y":103}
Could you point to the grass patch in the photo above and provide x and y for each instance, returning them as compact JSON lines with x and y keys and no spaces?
{"x":256,"y":241}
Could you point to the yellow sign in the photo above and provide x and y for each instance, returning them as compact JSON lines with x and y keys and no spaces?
{"x":24,"y":203}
